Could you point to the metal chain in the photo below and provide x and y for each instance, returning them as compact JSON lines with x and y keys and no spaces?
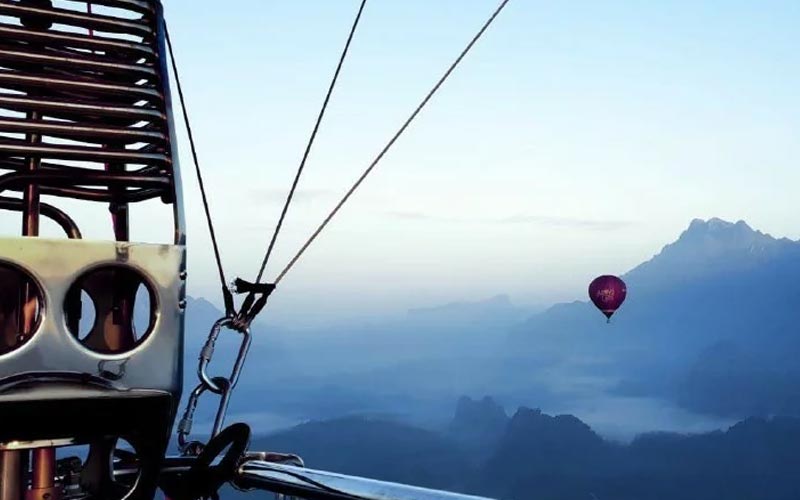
{"x":222,"y":386}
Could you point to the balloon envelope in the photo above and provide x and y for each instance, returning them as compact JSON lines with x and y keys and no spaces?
{"x":608,"y":293}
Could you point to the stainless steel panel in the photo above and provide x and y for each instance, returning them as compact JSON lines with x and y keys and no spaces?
{"x":156,"y":363}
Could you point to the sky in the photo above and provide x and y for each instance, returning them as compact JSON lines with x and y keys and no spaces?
{"x":577,"y":139}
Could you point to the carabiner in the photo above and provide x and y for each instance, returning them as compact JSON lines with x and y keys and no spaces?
{"x":208,"y":352}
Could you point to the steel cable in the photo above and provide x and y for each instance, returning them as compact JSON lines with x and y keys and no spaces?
{"x":310,"y":143}
{"x":209,"y":221}
{"x":391,"y":142}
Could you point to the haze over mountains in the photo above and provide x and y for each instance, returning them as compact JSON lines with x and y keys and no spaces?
{"x":533,"y":455}
{"x":707,"y":336}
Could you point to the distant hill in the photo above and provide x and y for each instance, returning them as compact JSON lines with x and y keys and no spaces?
{"x":560,"y":458}
{"x":495,"y":311}
{"x":371,"y":447}
{"x":478,"y":424}
{"x":546,"y":445}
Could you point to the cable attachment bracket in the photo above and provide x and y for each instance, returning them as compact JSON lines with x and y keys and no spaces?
{"x":257,"y":296}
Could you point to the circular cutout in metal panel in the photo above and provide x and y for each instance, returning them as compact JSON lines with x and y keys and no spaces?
{"x":120,"y":312}
{"x":21,"y":303}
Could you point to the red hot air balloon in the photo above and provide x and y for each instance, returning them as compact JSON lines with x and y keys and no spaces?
{"x":608,"y":293}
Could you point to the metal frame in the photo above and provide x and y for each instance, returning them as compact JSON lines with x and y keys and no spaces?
{"x":94,"y":81}
{"x":177,"y":184}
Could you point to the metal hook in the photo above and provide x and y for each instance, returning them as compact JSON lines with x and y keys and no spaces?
{"x":207,"y":353}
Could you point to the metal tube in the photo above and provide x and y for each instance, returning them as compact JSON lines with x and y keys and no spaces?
{"x":86,"y":133}
{"x":81,"y":153}
{"x":120,"y":213}
{"x":178,"y":214}
{"x":86,"y":194}
{"x":78,"y":19}
{"x":44,"y":468}
{"x":11,"y":475}
{"x":75,"y":40}
{"x":25,"y":81}
{"x":30,"y":199}
{"x":49,"y":211}
{"x":143,"y":6}
{"x":74,"y":61}
{"x":18,"y":165}
{"x":63,"y":108}
{"x":44,"y":459}
{"x":43,"y":476}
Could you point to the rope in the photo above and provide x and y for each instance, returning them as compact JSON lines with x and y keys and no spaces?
{"x":223,"y":282}
{"x":310,"y":143}
{"x":391,"y":142}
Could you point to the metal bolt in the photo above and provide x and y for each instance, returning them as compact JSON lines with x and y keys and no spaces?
{"x":182,"y":304}
{"x":183,"y":275}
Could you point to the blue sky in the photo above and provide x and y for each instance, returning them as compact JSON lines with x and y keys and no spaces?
{"x":577,"y":139}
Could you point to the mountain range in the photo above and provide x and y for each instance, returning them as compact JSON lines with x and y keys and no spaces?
{"x":709,"y":327}
{"x":710,"y":322}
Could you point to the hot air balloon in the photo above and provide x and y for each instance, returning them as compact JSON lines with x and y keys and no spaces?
{"x":608,"y":293}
